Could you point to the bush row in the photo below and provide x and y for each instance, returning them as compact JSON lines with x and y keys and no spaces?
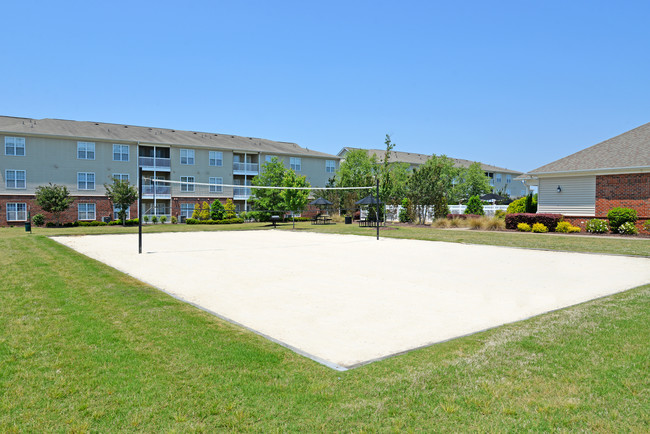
{"x":548,"y":220}
{"x":214,"y":222}
{"x":130,"y":222}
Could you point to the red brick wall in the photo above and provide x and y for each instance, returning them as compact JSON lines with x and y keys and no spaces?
{"x":103,"y":208}
{"x":627,"y":190}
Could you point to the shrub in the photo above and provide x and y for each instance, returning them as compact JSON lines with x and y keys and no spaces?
{"x":477,"y":223}
{"x":617,"y":216}
{"x":145,"y":218}
{"x":496,"y":224}
{"x":548,"y":220}
{"x":38,"y":220}
{"x":539,"y":228}
{"x":530,"y":204}
{"x":441,"y":223}
{"x":92,"y":223}
{"x":517,"y":206}
{"x":596,"y":226}
{"x":174,"y":220}
{"x":646,"y":226}
{"x":523,"y":227}
{"x":474,"y":206}
{"x":163,"y":218}
{"x":214,"y":222}
{"x":455,"y":223}
{"x":205,"y":211}
{"x":500,"y":214}
{"x":463,"y":216}
{"x":566,"y":228}
{"x":628,"y":228}
{"x":154,"y":219}
{"x":406,"y":213}
{"x":230,"y":209}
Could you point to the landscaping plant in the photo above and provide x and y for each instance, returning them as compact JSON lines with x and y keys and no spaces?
{"x":619,"y":215}
{"x":163,"y":219}
{"x":596,"y":226}
{"x":474,"y":206}
{"x":38,"y":220}
{"x":628,"y":228}
{"x":539,"y":228}
{"x":566,"y":228}
{"x":523,"y":227}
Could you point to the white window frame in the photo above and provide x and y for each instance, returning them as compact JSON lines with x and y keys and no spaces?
{"x":216,"y":184}
{"x":16,"y":143}
{"x":121,"y":176}
{"x":188,"y":209}
{"x":330,"y":166}
{"x":16,"y":215}
{"x":84,"y":215}
{"x":295,"y":163}
{"x":216,"y":158}
{"x":187,"y":157}
{"x":85,"y":182}
{"x":497,"y":177}
{"x":119,"y":150}
{"x":15,"y":179}
{"x":268,"y":158}
{"x":116,"y":209}
{"x":189,"y":187}
{"x":508,"y":179}
{"x":85,"y":150}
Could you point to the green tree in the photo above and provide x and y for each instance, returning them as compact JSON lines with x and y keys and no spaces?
{"x":205,"y":211}
{"x":473,"y":182}
{"x":217,"y":211}
{"x":474,"y":206}
{"x":431,"y":185}
{"x":393,"y":176}
{"x":358,"y":170}
{"x":294,"y":200}
{"x":230,"y":209}
{"x":122,"y":195}
{"x":268,"y":200}
{"x":54,"y":199}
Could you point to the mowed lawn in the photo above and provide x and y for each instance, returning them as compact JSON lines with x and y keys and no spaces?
{"x":86,"y":348}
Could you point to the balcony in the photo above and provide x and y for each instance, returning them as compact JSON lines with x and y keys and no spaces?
{"x":245,"y":168}
{"x":155,"y":163}
{"x":159,"y":191}
{"x":241,"y":193}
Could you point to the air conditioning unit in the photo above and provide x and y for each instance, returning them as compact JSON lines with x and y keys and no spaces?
{"x":106,"y":219}
{"x":182,"y":218}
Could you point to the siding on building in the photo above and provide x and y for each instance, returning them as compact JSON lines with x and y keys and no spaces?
{"x":577,"y":198}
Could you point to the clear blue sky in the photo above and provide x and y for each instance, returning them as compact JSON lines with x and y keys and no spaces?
{"x":517,"y":84}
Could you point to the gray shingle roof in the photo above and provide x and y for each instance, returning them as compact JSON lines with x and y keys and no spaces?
{"x":628,"y":150}
{"x":417,"y":159}
{"x":149,"y":135}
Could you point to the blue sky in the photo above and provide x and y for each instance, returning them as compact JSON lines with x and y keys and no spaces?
{"x":517,"y":84}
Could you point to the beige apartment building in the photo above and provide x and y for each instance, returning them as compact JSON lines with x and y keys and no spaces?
{"x":84,"y":156}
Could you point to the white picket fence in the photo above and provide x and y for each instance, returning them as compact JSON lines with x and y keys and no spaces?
{"x":392,"y":211}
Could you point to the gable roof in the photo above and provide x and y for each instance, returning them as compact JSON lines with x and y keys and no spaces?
{"x":630,"y":150}
{"x":149,"y":135}
{"x":418,"y":159}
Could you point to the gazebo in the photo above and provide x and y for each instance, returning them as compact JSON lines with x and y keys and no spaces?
{"x":369,"y":200}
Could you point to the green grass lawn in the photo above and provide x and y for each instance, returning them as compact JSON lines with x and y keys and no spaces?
{"x":86,"y":348}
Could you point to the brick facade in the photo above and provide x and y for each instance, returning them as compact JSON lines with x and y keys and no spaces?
{"x":628,"y":190}
{"x":103,"y":207}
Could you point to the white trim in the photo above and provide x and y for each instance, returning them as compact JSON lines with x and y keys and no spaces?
{"x":86,"y":181}
{"x":15,"y":146}
{"x":187,"y":157}
{"x":87,"y":211}
{"x":187,"y":186}
{"x":85,"y":147}
{"x":121,"y":176}
{"x":121,"y":153}
{"x":15,"y":179}
{"x":217,"y":184}
{"x":605,"y":171}
{"x":16,"y":211}
{"x":216,"y":160}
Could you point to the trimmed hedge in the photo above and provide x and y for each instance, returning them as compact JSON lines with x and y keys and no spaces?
{"x":619,"y":215}
{"x":214,"y":222}
{"x":548,"y":220}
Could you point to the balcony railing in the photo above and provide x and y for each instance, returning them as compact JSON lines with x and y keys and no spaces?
{"x":159,"y":190}
{"x":245,"y":167}
{"x":157,"y":163}
{"x":241,"y":192}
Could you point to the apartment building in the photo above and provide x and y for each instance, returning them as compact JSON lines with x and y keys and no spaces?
{"x":501,"y":179}
{"x":83,"y":156}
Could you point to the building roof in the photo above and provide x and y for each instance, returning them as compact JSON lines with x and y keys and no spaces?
{"x":149,"y":135}
{"x":626,"y":151}
{"x":418,"y":159}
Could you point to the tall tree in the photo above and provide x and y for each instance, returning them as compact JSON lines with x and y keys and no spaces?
{"x":294,"y":200}
{"x":473,"y":182}
{"x":54,"y":199}
{"x":431,"y":185}
{"x":393,"y":176}
{"x":358,"y":170}
{"x":267,"y":200}
{"x":122,"y":195}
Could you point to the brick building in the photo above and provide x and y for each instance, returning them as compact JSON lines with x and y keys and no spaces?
{"x":587,"y":184}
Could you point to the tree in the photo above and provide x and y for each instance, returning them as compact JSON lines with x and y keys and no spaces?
{"x":267,"y":200}
{"x":122,"y":195}
{"x":473,"y":182}
{"x":53,"y":198}
{"x":358,"y":170}
{"x":474,"y":206}
{"x":230,"y":209}
{"x":217,"y":211}
{"x":294,"y":200}
{"x":431,"y":185}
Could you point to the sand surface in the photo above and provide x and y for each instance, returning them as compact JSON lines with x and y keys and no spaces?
{"x":347,"y":300}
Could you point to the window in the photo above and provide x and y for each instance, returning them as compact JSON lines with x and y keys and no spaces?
{"x":268,"y":158}
{"x":216,"y":184}
{"x":187,"y":156}
{"x":508,"y":179}
{"x":187,"y":186}
{"x":216,"y":158}
{"x":121,"y":176}
{"x":498,"y":178}
{"x":508,"y":191}
{"x":85,"y":180}
{"x":116,"y":210}
{"x":330,"y":166}
{"x":15,"y":178}
{"x":86,"y":211}
{"x":120,"y":152}
{"x":15,"y":146}
{"x":187,"y":209}
{"x":16,"y":212}
{"x":295,"y":164}
{"x":85,"y":150}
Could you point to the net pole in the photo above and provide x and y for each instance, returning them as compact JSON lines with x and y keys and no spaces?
{"x":139,"y":210}
{"x":377,"y":209}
